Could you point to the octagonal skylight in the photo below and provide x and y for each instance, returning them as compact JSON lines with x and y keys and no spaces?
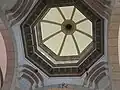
{"x":66,"y":31}
{"x":65,"y":40}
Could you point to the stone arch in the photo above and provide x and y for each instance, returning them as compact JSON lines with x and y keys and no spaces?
{"x":113,"y":37}
{"x":10,"y":53}
{"x":113,"y":45}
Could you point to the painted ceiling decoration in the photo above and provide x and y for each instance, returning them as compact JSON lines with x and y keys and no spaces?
{"x":63,"y":38}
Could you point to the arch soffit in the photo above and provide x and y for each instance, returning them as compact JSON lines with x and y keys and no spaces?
{"x":10,"y":53}
{"x":114,"y":36}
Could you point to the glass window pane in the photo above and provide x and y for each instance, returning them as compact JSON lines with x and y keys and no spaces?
{"x":78,"y":16}
{"x":82,"y":40}
{"x":48,"y":29}
{"x":69,"y":47}
{"x":54,"y":15}
{"x":85,"y":26}
{"x":54,"y":43}
{"x":67,"y":11}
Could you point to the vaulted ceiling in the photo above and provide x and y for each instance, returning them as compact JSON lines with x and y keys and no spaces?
{"x":60,"y":38}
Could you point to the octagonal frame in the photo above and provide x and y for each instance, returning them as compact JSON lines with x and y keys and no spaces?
{"x":40,"y":60}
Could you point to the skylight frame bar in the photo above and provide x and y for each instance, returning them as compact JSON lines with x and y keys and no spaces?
{"x":77,"y":48}
{"x":81,"y":21}
{"x":62,"y":45}
{"x":73,"y":13}
{"x":51,"y":22}
{"x":51,"y":36}
{"x":61,"y":13}
{"x":84,"y":33}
